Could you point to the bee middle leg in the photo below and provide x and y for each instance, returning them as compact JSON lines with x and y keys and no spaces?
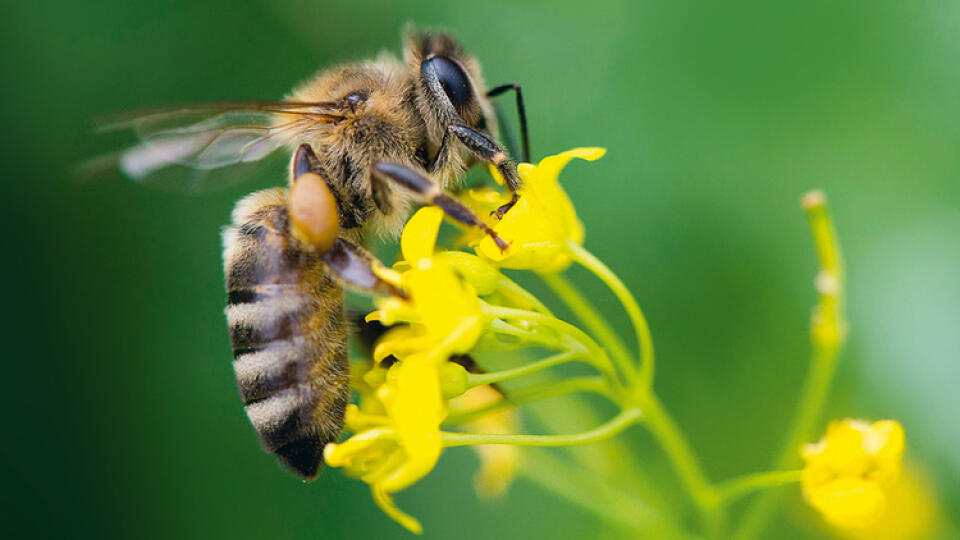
{"x":430,"y":191}
{"x":353,"y":265}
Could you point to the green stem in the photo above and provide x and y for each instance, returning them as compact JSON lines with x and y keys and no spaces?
{"x":591,"y":493}
{"x":502,"y":327}
{"x":511,"y":290}
{"x":660,"y":423}
{"x":640,"y":326}
{"x":808,"y":411}
{"x":608,"y":429}
{"x":827,"y":335}
{"x":539,"y":392}
{"x":738,"y":487}
{"x":480,"y":379}
{"x":670,"y":437}
{"x":588,"y":314}
{"x":566,"y":330}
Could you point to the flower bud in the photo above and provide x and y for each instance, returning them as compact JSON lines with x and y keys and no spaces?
{"x":476,"y":271}
{"x":453,"y":380}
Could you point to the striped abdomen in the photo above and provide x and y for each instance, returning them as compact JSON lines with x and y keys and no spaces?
{"x":287,"y":327}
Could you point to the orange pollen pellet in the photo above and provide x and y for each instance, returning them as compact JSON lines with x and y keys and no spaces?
{"x":313,"y":213}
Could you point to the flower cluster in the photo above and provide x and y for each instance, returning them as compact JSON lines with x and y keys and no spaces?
{"x":452,"y":303}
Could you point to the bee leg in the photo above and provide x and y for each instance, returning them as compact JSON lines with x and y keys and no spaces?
{"x":488,"y":150}
{"x":440,"y":160}
{"x":430,"y":191}
{"x":521,"y":114}
{"x":354,"y":266}
{"x":305,"y":161}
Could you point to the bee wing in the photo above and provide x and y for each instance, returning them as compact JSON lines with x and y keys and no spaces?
{"x":179,"y":147}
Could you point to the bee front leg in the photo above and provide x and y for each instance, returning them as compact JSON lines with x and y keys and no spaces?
{"x":488,"y":150}
{"x":431,"y":192}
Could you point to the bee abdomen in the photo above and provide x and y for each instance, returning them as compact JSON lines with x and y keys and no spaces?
{"x":288,"y":333}
{"x":265,"y":319}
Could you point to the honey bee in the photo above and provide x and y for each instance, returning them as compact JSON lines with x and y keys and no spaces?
{"x":369,"y":140}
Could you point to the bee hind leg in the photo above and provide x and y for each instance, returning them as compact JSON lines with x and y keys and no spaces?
{"x":431,"y":192}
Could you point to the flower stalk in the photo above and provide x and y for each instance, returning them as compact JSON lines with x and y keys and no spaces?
{"x":828,"y":330}
{"x":734,"y":489}
{"x":643,"y":379}
{"x":608,"y":429}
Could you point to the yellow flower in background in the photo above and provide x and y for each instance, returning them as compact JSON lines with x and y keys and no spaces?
{"x":539,"y":226}
{"x":917,"y":513}
{"x":498,"y":462}
{"x":847,"y":473}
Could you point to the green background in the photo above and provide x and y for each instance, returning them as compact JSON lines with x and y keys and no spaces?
{"x":121,"y":414}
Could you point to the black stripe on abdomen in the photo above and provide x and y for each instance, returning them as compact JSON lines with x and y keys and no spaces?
{"x":241,"y":296}
{"x":274,"y":367}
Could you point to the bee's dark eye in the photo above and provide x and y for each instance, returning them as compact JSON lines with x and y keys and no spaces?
{"x":454,"y":81}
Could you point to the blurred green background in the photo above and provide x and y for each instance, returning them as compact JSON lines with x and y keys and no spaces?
{"x":122,"y":415}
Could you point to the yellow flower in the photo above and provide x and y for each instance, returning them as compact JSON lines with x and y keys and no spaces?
{"x":917,"y":514}
{"x":398,"y":443}
{"x":396,"y":439}
{"x":847,"y":473}
{"x":498,"y":462}
{"x":442,"y":311}
{"x":420,"y":234}
{"x":442,"y":308}
{"x":539,"y":226}
{"x":419,"y":241}
{"x":482,"y":201}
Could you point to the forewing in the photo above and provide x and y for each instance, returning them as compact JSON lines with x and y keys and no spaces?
{"x":180,"y":147}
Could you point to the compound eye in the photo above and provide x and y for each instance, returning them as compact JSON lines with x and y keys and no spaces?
{"x":454,"y":81}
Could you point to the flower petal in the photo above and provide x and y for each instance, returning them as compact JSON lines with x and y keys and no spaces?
{"x":413,"y":399}
{"x":419,"y":235}
{"x":847,"y":473}
{"x":385,"y":502}
{"x":542,"y":221}
{"x":849,"y":502}
{"x":551,"y":166}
